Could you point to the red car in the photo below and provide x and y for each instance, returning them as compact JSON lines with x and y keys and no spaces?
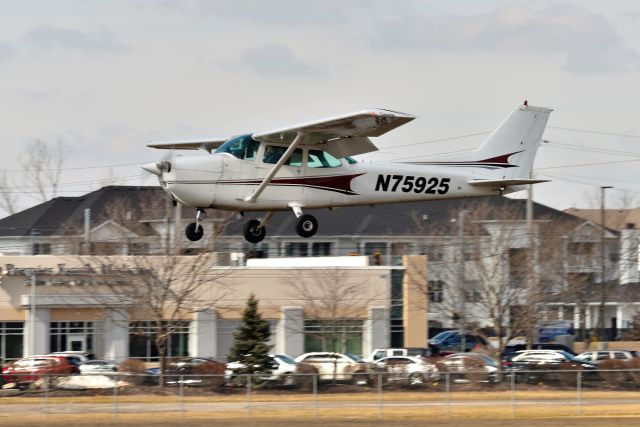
{"x":31,"y":369}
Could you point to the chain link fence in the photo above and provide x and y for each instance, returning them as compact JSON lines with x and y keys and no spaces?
{"x":522,"y":392}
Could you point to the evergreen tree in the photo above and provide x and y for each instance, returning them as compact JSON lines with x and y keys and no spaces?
{"x":250,"y":342}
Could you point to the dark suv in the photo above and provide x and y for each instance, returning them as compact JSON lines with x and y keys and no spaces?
{"x":450,"y":342}
{"x":511,"y":350}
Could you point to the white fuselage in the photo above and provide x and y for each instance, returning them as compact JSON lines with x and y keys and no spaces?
{"x":225,"y":182}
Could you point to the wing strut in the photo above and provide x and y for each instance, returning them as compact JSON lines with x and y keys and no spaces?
{"x":267,"y":179}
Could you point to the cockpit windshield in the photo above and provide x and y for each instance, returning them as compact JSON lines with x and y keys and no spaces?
{"x":243,"y":147}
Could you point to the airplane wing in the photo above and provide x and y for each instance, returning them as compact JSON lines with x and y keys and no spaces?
{"x":341,"y":136}
{"x":208,"y":144}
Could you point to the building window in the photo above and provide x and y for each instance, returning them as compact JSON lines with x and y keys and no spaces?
{"x":72,"y":336}
{"x":296,"y":249}
{"x":436,"y":291}
{"x":11,"y":340}
{"x":582,"y":248}
{"x":339,"y":335}
{"x":138,"y":249}
{"x":396,"y":314}
{"x":321,"y":248}
{"x":41,"y":249}
{"x":434,"y":253}
{"x":142,"y":336}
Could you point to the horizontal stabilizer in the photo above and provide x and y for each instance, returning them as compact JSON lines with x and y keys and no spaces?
{"x":504,"y":182}
{"x":207,"y":144}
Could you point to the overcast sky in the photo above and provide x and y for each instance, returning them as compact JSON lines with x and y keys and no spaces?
{"x":106,"y":77}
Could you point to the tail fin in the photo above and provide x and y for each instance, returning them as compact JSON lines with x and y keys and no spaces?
{"x":509,"y":151}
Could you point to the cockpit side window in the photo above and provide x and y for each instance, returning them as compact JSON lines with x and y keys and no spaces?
{"x":322,"y":159}
{"x":243,"y":147}
{"x":273,"y":153}
{"x":351,"y":160}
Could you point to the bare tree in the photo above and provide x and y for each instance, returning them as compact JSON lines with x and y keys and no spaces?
{"x":336,"y":302}
{"x":42,"y":162}
{"x":8,"y":194}
{"x":162,"y":291}
{"x":493,"y":294}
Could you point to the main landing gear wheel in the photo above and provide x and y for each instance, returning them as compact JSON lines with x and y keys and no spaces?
{"x":307,"y":225}
{"x":253,"y":232}
{"x":194,"y":232}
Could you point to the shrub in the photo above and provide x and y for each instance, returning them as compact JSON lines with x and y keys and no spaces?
{"x":135,"y":368}
{"x":611,"y":372}
{"x":634,"y":366}
{"x":213,"y":373}
{"x":305,"y":380}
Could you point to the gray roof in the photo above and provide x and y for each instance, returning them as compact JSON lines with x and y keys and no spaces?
{"x":58,"y":215}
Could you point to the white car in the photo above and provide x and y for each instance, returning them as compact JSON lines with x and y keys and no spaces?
{"x":338,"y":366}
{"x":285,"y":370}
{"x":414,"y":370}
{"x":102,"y":367}
{"x":602,"y":355}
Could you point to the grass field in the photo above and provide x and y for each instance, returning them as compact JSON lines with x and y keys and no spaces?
{"x":479,"y":408}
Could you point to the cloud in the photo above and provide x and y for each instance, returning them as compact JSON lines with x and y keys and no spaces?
{"x":6,"y":52}
{"x":48,"y":38}
{"x":587,"y":40}
{"x":277,"y":60}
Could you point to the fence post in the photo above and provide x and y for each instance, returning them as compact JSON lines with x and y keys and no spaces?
{"x":447,"y":389}
{"x":248,"y":395}
{"x":181,"y":396}
{"x":315,"y":396}
{"x":513,"y":393}
{"x":579,"y":392}
{"x":46,"y":396}
{"x":380,"y":397}
{"x":115,"y":396}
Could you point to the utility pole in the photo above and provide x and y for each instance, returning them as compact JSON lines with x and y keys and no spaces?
{"x":603,"y":268}
{"x":461,"y":281}
{"x":530,"y":267}
{"x":32,"y":298}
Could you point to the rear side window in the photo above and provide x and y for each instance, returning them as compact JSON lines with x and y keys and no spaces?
{"x":322,"y":159}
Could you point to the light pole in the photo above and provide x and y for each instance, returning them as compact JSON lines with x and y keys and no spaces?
{"x":32,"y":299}
{"x":603,"y":268}
{"x":463,"y":296}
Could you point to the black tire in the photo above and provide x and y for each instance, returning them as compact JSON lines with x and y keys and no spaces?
{"x":307,"y":225}
{"x":192,"y":233}
{"x":252,"y":231}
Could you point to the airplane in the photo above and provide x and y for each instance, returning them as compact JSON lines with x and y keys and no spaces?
{"x":310,"y":166}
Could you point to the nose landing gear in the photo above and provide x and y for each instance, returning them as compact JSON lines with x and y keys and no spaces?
{"x":194,"y":230}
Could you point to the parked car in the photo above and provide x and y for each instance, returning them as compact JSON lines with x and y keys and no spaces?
{"x":32,"y":369}
{"x":339,"y":367}
{"x":284,"y":370}
{"x":511,"y":350}
{"x":95,"y":367}
{"x":447,"y":342}
{"x":602,"y":355}
{"x":470,"y":367}
{"x":75,"y":357}
{"x":537,"y":365}
{"x":187,"y":371}
{"x":380,"y":353}
{"x":411,"y":370}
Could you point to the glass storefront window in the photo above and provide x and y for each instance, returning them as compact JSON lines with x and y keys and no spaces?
{"x":72,"y":335}
{"x":341,"y":336}
{"x":142,"y":345}
{"x":11,"y":340}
